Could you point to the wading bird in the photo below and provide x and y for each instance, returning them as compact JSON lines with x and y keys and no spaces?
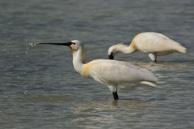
{"x":108,"y":72}
{"x":155,"y":44}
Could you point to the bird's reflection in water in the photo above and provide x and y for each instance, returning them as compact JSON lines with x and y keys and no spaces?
{"x":161,"y":66}
{"x":128,"y":103}
{"x":114,"y":103}
{"x":97,"y":113}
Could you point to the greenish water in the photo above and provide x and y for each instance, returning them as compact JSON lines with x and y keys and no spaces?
{"x":39,"y":88}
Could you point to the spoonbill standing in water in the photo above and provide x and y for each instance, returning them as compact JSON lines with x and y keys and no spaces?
{"x":155,"y":44}
{"x":108,"y":72}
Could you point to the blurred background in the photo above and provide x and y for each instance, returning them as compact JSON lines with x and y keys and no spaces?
{"x":40,"y":89}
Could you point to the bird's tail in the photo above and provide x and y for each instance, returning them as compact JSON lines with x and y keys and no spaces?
{"x":152,"y":84}
{"x":181,"y":49}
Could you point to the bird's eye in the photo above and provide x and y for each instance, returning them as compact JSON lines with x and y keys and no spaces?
{"x":73,"y":43}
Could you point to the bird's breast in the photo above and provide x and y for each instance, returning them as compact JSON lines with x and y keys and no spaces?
{"x":133,"y":44}
{"x":86,"y":70}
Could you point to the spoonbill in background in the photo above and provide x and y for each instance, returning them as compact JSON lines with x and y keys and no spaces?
{"x":111,"y":73}
{"x":155,"y":44}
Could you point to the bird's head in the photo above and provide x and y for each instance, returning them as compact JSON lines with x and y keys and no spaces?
{"x":113,"y":50}
{"x":119,"y":48}
{"x":74,"y":45}
{"x":111,"y":53}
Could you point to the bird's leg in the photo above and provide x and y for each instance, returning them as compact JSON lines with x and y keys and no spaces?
{"x":113,"y":89}
{"x":153,"y":57}
{"x":115,"y":95}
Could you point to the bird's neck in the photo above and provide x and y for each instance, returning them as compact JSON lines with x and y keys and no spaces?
{"x":78,"y":60}
{"x":125,"y":49}
{"x":131,"y":49}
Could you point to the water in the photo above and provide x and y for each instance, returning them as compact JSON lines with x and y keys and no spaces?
{"x":40,"y":90}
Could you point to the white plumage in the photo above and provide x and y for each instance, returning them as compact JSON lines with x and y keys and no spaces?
{"x":112,"y":72}
{"x":108,"y":72}
{"x":155,"y":44}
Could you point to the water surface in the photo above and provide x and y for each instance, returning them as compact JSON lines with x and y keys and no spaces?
{"x":40,"y":89}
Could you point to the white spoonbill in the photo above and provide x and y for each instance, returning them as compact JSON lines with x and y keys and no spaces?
{"x":108,"y":72}
{"x":155,"y":44}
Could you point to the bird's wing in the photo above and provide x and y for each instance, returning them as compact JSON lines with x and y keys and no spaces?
{"x":111,"y":71}
{"x":154,"y":42}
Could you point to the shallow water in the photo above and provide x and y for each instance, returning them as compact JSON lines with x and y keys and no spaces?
{"x":39,"y":88}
